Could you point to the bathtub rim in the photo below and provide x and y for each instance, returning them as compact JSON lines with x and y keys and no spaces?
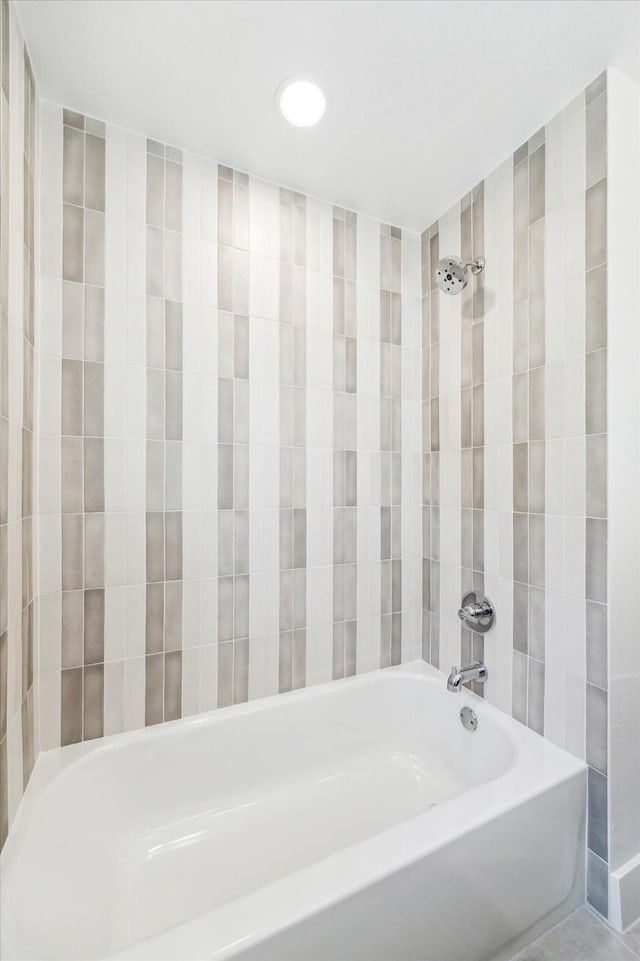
{"x":316,"y":886}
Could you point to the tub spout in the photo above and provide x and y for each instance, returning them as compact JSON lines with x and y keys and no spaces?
{"x":476,"y":671}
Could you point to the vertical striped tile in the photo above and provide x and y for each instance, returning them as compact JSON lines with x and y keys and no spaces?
{"x":345,"y":443}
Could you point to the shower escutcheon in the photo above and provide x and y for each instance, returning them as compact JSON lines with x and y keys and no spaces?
{"x":452,"y":273}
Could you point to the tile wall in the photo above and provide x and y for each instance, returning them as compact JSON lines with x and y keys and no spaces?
{"x":18,"y":186}
{"x":230,"y":439}
{"x":515,"y":478}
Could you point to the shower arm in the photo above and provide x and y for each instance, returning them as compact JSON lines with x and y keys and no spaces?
{"x":477,"y":265}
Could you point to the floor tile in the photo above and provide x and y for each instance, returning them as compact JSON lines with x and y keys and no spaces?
{"x":580,"y":938}
{"x":632,"y":938}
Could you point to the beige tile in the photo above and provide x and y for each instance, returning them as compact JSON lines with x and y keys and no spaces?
{"x":173,"y":405}
{"x":73,"y":166}
{"x":155,"y":546}
{"x":173,"y":611}
{"x":95,"y":172}
{"x":536,"y":258}
{"x":93,"y":550}
{"x":94,"y":248}
{"x":173,"y":335}
{"x":93,"y":399}
{"x":72,"y":628}
{"x":172,"y":685}
{"x":173,"y":545}
{"x":93,"y":627}
{"x":72,"y":320}
{"x":93,"y":701}
{"x":71,"y":706}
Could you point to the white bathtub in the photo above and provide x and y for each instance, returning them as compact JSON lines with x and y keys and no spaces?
{"x":356,"y":820}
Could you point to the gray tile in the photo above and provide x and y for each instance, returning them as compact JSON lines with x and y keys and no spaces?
{"x":596,"y":568}
{"x":536,"y":477}
{"x":520,"y":477}
{"x":596,"y":392}
{"x":95,"y":172}
{"x":94,"y":248}
{"x":521,"y":266}
{"x":73,"y":166}
{"x":93,"y":473}
{"x":172,"y":685}
{"x":596,"y":308}
{"x":596,"y":140}
{"x":93,"y":626}
{"x":520,"y":617}
{"x":632,"y":938}
{"x":596,"y":475}
{"x":598,"y":884}
{"x":596,"y":224}
{"x":596,"y":87}
{"x":581,"y":937}
{"x":597,"y":670}
{"x":72,"y":628}
{"x":71,"y":706}
{"x":536,"y":184}
{"x":536,"y":550}
{"x":521,"y":196}
{"x":596,"y":728}
{"x":597,"y":814}
{"x":521,"y":548}
{"x":93,"y":399}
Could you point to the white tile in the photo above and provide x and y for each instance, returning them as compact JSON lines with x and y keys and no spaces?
{"x":134,"y":682}
{"x":264,"y":596}
{"x":114,"y":698}
{"x":115,"y":623}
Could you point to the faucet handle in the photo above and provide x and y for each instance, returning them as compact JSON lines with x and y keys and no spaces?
{"x":477,"y":611}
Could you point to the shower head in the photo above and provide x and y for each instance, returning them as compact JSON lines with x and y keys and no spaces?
{"x":452,"y":273}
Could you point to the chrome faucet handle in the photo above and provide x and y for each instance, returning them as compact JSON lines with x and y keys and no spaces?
{"x":477,"y":611}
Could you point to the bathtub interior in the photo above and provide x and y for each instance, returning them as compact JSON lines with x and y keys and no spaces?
{"x":230,"y":803}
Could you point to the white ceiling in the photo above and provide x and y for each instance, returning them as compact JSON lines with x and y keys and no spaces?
{"x":425,"y":96}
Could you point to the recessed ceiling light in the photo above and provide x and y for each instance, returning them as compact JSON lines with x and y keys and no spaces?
{"x":301,"y":101}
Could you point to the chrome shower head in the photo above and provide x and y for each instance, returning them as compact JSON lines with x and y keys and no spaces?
{"x":452,"y":273}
